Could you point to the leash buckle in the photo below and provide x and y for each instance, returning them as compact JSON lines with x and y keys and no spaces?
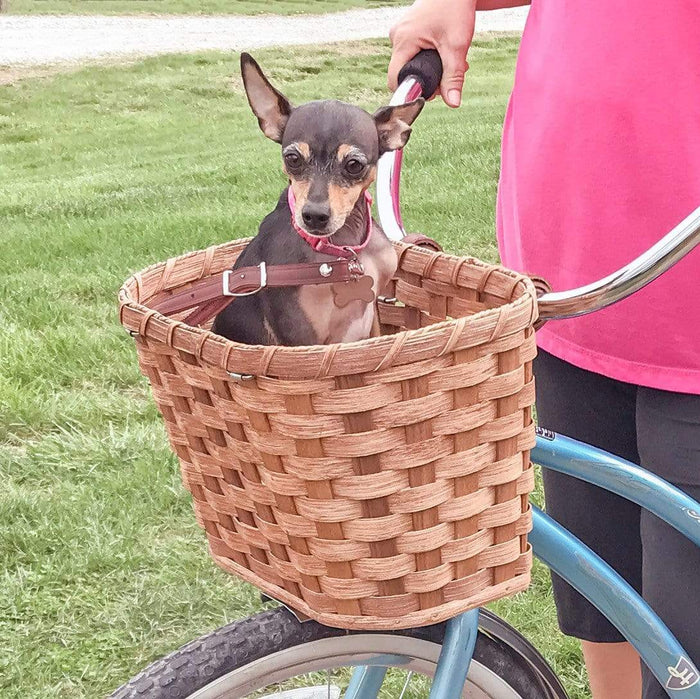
{"x":226,"y":278}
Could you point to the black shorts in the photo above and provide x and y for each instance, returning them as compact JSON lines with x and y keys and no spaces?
{"x":657,"y":429}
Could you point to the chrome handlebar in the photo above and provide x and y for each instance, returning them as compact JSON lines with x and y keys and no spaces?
{"x":675,"y":245}
{"x":562,"y":304}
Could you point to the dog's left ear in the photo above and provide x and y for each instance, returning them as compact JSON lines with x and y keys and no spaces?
{"x":394,"y":124}
{"x":268,"y":104}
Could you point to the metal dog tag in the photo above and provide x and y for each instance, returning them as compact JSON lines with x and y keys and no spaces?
{"x":357,"y":290}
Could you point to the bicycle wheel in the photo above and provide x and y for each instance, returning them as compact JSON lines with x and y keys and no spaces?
{"x":273,"y":654}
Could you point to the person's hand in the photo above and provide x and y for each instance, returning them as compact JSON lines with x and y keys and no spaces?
{"x":445,"y":25}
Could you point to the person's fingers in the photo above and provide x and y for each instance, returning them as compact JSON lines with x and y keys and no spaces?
{"x":400,"y":56}
{"x":454,"y":67}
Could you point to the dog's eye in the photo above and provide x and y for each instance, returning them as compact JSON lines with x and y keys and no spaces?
{"x":293,"y":160}
{"x":354,"y":166}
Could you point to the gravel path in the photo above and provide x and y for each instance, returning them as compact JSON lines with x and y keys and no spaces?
{"x":49,"y":39}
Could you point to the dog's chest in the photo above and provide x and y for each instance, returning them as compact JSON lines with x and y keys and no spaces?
{"x":354,"y":321}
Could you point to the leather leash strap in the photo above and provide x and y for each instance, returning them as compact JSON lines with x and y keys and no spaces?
{"x":210,"y":296}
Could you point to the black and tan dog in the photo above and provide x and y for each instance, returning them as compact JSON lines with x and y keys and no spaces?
{"x":330,"y":151}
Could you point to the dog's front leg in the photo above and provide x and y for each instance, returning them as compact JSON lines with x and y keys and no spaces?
{"x":376,"y":328}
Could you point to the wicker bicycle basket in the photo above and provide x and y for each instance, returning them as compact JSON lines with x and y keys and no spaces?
{"x":379,"y":484}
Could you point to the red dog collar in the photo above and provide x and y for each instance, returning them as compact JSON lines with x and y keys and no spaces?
{"x":322,"y":243}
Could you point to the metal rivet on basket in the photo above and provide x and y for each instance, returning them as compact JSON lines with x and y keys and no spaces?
{"x":240,"y":377}
{"x":325,"y":270}
{"x":387,"y":299}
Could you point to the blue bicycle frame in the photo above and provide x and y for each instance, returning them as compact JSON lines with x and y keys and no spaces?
{"x":585,"y":571}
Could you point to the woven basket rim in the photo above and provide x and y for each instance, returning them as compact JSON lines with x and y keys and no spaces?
{"x":185,"y":337}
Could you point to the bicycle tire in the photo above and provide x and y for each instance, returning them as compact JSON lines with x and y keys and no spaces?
{"x":219,"y":663}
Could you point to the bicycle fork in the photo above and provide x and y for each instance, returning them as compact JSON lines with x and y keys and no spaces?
{"x":453,"y":665}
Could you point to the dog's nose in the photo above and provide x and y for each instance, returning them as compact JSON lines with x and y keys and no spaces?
{"x":315,"y":216}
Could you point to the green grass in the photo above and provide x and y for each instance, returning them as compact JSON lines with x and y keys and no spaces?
{"x":191,"y":7}
{"x":105,"y":171}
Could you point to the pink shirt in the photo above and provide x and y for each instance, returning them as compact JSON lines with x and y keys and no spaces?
{"x":601,"y":158}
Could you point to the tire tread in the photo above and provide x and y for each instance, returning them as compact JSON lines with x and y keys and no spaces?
{"x":196,"y":664}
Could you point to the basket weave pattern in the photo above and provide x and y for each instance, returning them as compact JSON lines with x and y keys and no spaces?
{"x":372,"y":485}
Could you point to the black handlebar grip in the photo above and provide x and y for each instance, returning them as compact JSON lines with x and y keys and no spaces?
{"x":426,"y":68}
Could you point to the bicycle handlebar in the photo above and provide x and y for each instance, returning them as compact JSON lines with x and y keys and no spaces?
{"x":426,"y":68}
{"x":554,"y":305}
{"x":675,"y":245}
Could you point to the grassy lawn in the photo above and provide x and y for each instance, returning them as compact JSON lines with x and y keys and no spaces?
{"x":105,"y":171}
{"x":192,"y":7}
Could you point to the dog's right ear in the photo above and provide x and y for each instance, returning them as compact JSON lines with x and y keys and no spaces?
{"x":268,"y":104}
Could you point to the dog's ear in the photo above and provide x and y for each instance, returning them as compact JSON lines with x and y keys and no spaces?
{"x":394,"y":124}
{"x":268,"y":104}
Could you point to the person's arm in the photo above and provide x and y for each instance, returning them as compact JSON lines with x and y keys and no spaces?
{"x":445,"y":25}
{"x":499,"y":4}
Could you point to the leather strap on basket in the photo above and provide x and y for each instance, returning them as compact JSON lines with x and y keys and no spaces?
{"x":542,"y":287}
{"x":210,"y":296}
{"x":422,"y":241}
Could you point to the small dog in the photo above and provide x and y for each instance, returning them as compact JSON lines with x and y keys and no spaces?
{"x":330,"y":151}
